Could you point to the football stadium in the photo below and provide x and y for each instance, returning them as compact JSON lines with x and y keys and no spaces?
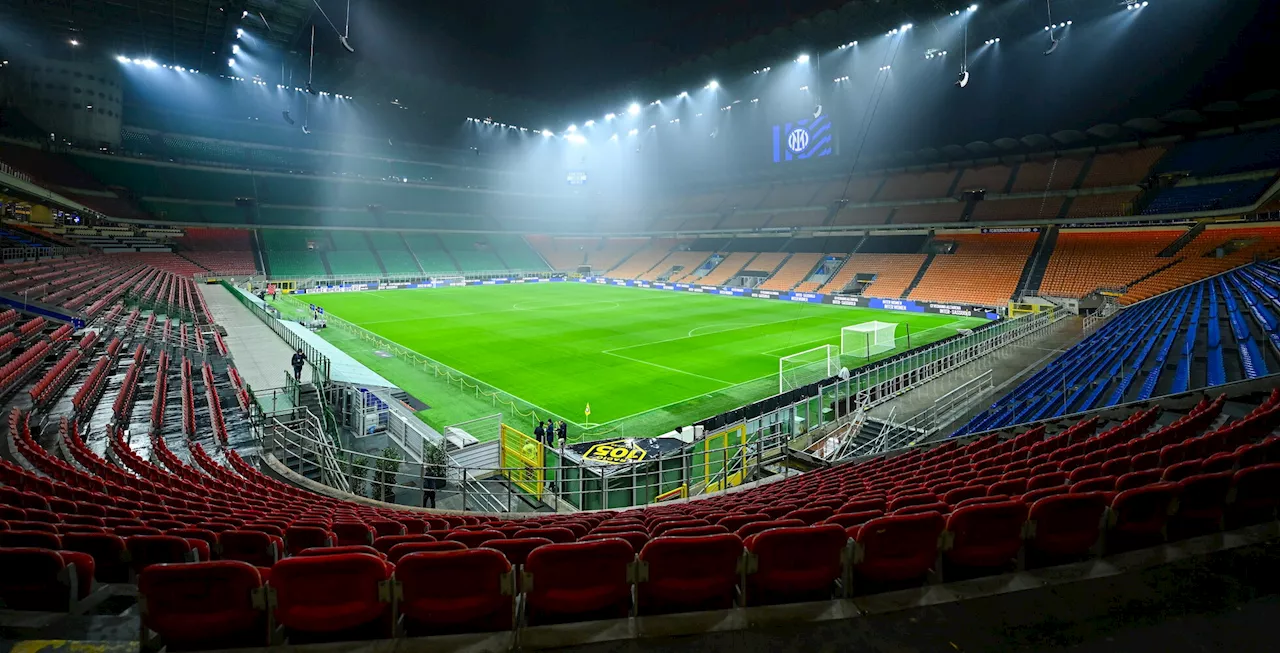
{"x":365,"y":325}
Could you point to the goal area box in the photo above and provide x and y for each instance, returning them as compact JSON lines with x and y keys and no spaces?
{"x":868,"y":339}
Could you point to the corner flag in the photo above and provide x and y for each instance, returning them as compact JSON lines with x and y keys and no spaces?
{"x":587,"y":412}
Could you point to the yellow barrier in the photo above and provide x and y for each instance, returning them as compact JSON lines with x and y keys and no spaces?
{"x":523,"y":460}
{"x":681,"y":492}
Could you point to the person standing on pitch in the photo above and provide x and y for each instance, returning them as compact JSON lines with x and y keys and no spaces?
{"x":298,"y":359}
{"x":540,"y":433}
{"x":562,"y":433}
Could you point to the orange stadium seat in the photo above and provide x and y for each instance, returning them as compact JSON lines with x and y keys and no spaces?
{"x":992,"y":179}
{"x":793,"y":272}
{"x":786,"y":196}
{"x":1040,"y":176}
{"x":916,"y":186}
{"x":797,"y":219}
{"x":928,"y":213}
{"x":862,"y":215}
{"x":1195,"y":260}
{"x":1121,"y":168}
{"x":984,"y":269}
{"x":1085,"y":260}
{"x":644,"y":259}
{"x":894,"y":273}
{"x":1105,"y":205}
{"x":686,"y":261}
{"x":730,"y":266}
{"x":1046,"y":208}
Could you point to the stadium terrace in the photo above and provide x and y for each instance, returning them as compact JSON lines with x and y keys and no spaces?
{"x":353,"y":323}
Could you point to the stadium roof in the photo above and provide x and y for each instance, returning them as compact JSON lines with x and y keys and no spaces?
{"x":186,"y":32}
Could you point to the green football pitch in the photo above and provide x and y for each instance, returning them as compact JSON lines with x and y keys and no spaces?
{"x":646,"y":361}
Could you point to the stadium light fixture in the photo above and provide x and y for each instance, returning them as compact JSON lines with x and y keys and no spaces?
{"x":572,"y":128}
{"x":804,"y":58}
{"x":906,"y":27}
{"x":633,"y":132}
{"x":147,"y":63}
{"x":576,"y":139}
{"x":122,"y":59}
{"x":634,"y":109}
{"x":231,"y":62}
{"x":239,"y":32}
{"x":589,"y":123}
{"x":546,"y":132}
{"x":713,"y":84}
{"x":804,"y":88}
{"x":683,"y":94}
{"x":610,"y":116}
{"x":973,"y":7}
{"x":73,"y":43}
{"x":235,"y":48}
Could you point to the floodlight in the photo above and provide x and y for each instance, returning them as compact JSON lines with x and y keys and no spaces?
{"x":572,"y":128}
{"x":683,"y":94}
{"x":122,"y":59}
{"x":713,"y":84}
{"x":576,"y":139}
{"x":610,"y":116}
{"x":614,"y":137}
{"x":546,"y":132}
{"x":235,"y":48}
{"x":74,"y":42}
{"x":973,"y":7}
{"x":231,"y":62}
{"x":147,"y":63}
{"x":804,"y":58}
{"x":634,"y":109}
{"x":589,"y":123}
{"x":239,"y":33}
{"x":633,"y":132}
{"x":907,"y":27}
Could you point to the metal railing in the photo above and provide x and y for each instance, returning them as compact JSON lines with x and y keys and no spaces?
{"x":924,"y":425}
{"x":310,"y":445}
{"x":308,"y":282}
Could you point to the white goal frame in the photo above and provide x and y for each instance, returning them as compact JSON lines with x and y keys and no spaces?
{"x":868,"y":339}
{"x":802,"y":368}
{"x":449,"y":280}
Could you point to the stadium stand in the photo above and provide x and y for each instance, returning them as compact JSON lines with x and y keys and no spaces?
{"x":430,"y":252}
{"x":1225,"y":155}
{"x":1133,"y":357}
{"x":982,"y":269}
{"x":225,"y":251}
{"x":394,"y":254}
{"x":644,"y":259}
{"x":294,"y":252}
{"x":743,"y":221}
{"x":1085,"y":260}
{"x":786,"y":196}
{"x":1047,"y":208}
{"x":992,"y":179}
{"x":1216,"y":249}
{"x":1206,"y":197}
{"x":676,"y":266}
{"x":1121,"y":168}
{"x":862,"y":216}
{"x":516,"y":253}
{"x":916,"y":186}
{"x":792,"y":273}
{"x":728,"y":268}
{"x":1103,"y":205}
{"x":893,"y":273}
{"x":473,"y":253}
{"x":797,"y":219}
{"x":928,"y":213}
{"x":1039,"y":177}
{"x":766,"y":262}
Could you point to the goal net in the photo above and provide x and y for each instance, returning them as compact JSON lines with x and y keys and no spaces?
{"x":449,"y":281}
{"x":808,"y":366}
{"x":867,"y":339}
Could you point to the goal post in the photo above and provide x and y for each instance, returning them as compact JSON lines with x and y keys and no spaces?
{"x":867,"y":339}
{"x":453,"y":280}
{"x":802,"y":368}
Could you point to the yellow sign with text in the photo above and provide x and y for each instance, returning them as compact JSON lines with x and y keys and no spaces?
{"x":618,"y":452}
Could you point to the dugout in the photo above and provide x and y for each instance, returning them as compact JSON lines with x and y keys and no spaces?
{"x":624,"y":472}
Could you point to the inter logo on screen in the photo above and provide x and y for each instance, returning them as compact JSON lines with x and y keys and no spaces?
{"x":803,"y":139}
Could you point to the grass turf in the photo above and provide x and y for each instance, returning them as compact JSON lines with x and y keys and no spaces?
{"x":646,"y":360}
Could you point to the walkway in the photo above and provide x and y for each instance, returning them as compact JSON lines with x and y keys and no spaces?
{"x":262,"y":358}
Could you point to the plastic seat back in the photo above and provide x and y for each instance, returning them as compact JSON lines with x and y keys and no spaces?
{"x":578,"y":581}
{"x":203,"y":605}
{"x":30,"y":539}
{"x":405,"y":548}
{"x":383,"y":544}
{"x":1139,"y":516}
{"x":463,"y":591}
{"x":35,"y":579}
{"x":792,"y":564}
{"x":474,"y":539}
{"x":297,"y":538}
{"x":557,"y":535}
{"x":254,"y":547}
{"x":146,"y":550}
{"x":330,"y":594}
{"x":760,"y":526}
{"x":897,"y":547}
{"x":688,"y":574}
{"x":985,"y":535}
{"x":517,"y":550}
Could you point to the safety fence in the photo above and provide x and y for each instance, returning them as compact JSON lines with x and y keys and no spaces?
{"x":320,"y":365}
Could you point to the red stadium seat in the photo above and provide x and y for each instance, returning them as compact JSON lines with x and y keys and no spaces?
{"x":854,"y":518}
{"x":254,"y":547}
{"x":44,"y":580}
{"x":1138,"y":517}
{"x":447,"y":592}
{"x":146,"y":550}
{"x":578,"y":581}
{"x":352,"y":533}
{"x":1255,"y":494}
{"x":760,"y":526}
{"x":897,"y":548}
{"x":474,"y":538}
{"x":405,"y":548}
{"x":297,"y":538}
{"x":810,"y":516}
{"x":1066,"y":525}
{"x":329,"y":597}
{"x":688,"y":574}
{"x":517,"y":550}
{"x":385,"y":527}
{"x":695,"y":531}
{"x":204,"y":605}
{"x":658,"y":529}
{"x":734,"y":522}
{"x":108,"y":553}
{"x":383,"y":544}
{"x":1202,"y":504}
{"x":791,"y":564}
{"x":30,"y":539}
{"x":339,"y":550}
{"x":557,"y":535}
{"x":636,"y":539}
{"x":985,"y":535}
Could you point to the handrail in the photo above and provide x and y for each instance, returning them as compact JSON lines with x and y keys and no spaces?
{"x":320,"y":364}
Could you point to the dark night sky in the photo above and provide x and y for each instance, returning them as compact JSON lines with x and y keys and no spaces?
{"x":553,"y":50}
